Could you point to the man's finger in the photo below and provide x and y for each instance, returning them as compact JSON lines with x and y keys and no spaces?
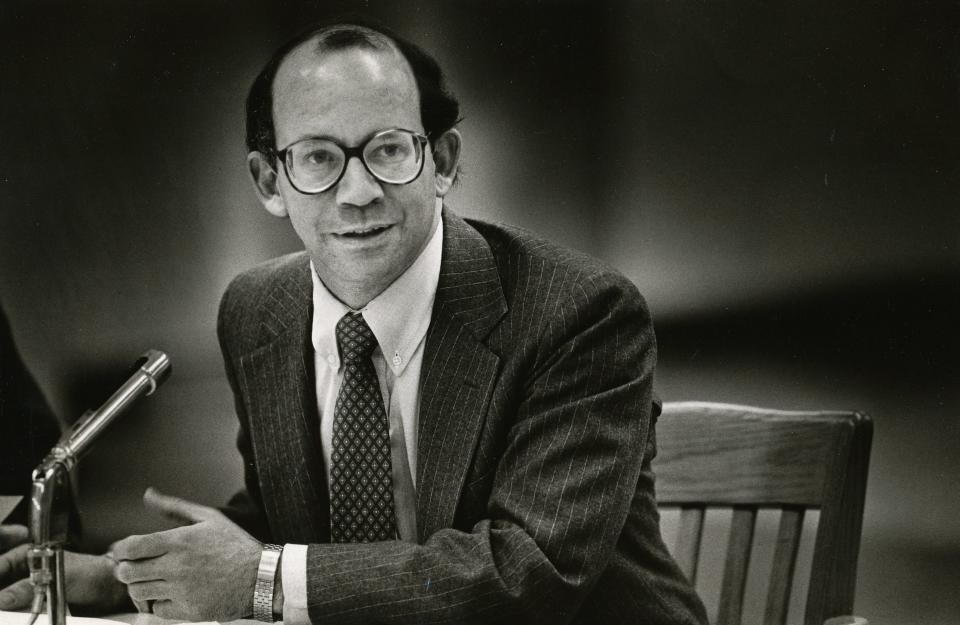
{"x":177,"y":509}
{"x":168,"y":610}
{"x":16,"y":596}
{"x":148,"y":591}
{"x":140,"y":547}
{"x":143,"y":607}
{"x":135,"y":571}
{"x":13,"y":535}
{"x":13,"y":564}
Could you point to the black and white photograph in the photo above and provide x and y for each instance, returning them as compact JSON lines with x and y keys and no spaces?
{"x":462,"y":311}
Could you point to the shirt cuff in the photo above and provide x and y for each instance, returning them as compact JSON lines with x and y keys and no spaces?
{"x":293,"y":571}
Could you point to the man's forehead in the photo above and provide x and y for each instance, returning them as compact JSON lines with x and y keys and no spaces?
{"x":382,"y":70}
{"x":344,"y":93}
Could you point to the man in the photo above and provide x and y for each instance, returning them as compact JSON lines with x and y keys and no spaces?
{"x":441,"y":420}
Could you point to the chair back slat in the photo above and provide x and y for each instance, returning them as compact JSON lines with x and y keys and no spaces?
{"x":745,"y":458}
{"x":784,"y":562}
{"x":687,"y":548}
{"x":735,"y":569}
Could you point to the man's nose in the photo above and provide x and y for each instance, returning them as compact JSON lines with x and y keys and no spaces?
{"x":358,"y":187}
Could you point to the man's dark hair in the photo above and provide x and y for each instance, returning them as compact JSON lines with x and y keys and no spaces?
{"x":439,"y":110}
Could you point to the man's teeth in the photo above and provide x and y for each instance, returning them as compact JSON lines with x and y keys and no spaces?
{"x":364,"y":231}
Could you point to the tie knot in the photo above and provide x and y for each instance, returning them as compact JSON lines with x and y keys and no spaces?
{"x":355,"y":338}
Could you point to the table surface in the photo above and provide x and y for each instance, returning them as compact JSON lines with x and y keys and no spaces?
{"x":136,"y":618}
{"x":22,"y":617}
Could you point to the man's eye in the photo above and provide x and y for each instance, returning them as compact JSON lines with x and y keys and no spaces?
{"x":391,"y":151}
{"x":318,"y":157}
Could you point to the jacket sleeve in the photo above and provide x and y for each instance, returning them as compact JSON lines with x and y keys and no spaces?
{"x":561,"y":488}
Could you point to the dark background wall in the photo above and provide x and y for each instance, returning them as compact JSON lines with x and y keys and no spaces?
{"x":780,"y":180}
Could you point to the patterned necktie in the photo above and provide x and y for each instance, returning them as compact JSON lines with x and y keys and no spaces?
{"x":361,"y":485}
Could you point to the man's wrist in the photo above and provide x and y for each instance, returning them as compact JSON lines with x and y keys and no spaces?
{"x":265,"y":589}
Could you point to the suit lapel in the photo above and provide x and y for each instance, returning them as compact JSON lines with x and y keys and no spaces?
{"x":459,"y":372}
{"x":279,"y":381}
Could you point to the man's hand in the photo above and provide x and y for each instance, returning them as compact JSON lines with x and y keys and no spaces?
{"x":203,"y":571}
{"x":90,"y":581}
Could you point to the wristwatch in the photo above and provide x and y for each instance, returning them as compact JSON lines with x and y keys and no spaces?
{"x":263,"y":590}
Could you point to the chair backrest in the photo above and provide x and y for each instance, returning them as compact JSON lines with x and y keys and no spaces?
{"x":744,"y":458}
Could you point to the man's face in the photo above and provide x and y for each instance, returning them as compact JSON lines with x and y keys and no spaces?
{"x":361,"y":233}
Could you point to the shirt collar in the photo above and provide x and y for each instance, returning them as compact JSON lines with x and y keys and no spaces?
{"x":399,"y":317}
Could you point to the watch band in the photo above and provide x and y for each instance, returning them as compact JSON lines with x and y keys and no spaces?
{"x":263,"y":590}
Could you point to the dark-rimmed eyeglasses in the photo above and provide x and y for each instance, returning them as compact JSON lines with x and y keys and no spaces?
{"x":393,"y":156}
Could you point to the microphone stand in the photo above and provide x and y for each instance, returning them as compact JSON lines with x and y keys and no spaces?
{"x":49,"y":515}
{"x":50,"y":492}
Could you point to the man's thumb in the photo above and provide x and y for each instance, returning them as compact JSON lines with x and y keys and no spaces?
{"x":176,"y":509}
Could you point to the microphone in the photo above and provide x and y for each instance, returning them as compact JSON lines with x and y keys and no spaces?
{"x":49,"y":509}
{"x":149,"y":371}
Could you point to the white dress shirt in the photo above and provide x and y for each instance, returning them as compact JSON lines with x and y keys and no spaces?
{"x":399,"y":318}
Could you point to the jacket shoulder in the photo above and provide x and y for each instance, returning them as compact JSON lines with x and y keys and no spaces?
{"x":267,"y":274}
{"x":248,"y":295}
{"x":527,"y":259}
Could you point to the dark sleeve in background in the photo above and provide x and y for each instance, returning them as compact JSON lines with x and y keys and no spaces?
{"x":28,"y":427}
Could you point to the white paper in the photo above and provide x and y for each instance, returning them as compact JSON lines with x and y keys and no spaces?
{"x":22,"y":618}
{"x":7,"y":504}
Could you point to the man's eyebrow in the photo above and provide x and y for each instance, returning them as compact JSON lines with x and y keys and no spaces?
{"x":308,"y":136}
{"x":325,"y":137}
{"x":341,"y":143}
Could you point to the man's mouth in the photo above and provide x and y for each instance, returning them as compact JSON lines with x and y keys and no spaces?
{"x":363,"y":233}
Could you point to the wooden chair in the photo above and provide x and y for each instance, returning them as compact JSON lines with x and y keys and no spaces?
{"x":720,"y":455}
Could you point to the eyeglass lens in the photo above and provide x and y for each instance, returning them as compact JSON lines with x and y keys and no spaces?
{"x":393,"y":157}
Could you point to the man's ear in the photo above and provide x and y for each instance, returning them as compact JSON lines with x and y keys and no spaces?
{"x":266,"y":183}
{"x":446,"y":157}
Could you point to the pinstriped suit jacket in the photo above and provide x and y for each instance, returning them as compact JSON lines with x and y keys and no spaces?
{"x":534,"y":490}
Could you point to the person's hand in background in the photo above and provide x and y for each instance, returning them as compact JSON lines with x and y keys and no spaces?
{"x":91,"y":586}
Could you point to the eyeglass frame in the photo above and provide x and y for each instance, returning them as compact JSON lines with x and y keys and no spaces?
{"x":351,"y":152}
